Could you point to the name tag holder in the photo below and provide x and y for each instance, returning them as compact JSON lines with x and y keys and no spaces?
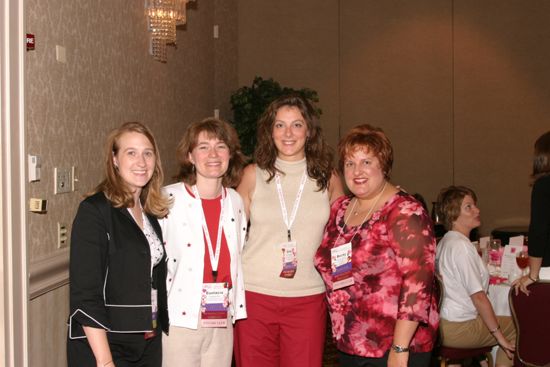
{"x":214,"y":305}
{"x":341,"y":266}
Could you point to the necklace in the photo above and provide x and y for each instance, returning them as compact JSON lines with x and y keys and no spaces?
{"x":356,"y":212}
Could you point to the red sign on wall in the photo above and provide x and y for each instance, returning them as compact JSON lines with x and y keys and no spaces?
{"x":29,"y":40}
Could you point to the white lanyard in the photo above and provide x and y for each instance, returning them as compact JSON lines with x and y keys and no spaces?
{"x":214,"y":258}
{"x":288,"y":222}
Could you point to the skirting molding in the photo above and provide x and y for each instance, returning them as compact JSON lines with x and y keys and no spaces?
{"x":48,"y":274}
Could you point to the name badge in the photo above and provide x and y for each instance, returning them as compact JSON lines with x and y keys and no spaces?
{"x":154,"y":314}
{"x":340,"y":264}
{"x":214,"y":304}
{"x":290,"y":261}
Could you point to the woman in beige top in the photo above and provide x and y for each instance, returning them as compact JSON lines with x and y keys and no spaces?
{"x":287,"y":195}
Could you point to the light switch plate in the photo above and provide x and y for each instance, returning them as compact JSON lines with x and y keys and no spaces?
{"x":60,"y":54}
{"x":63,"y":181}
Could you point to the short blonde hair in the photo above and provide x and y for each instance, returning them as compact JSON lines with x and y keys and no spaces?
{"x":449,"y":202}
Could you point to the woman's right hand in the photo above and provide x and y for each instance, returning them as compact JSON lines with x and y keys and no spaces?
{"x":505,"y":345}
{"x":521,"y":284}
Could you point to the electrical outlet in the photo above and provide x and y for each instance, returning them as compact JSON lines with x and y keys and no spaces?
{"x":62,"y":235}
{"x":63,"y":181}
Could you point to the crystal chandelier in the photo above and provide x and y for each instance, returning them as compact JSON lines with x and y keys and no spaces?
{"x":162,"y":18}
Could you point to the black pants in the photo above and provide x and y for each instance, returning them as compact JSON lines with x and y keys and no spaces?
{"x":128,"y":350}
{"x":415,"y":360}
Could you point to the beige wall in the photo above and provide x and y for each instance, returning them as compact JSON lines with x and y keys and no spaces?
{"x":459,"y":86}
{"x":296,"y":43}
{"x":109,"y":78}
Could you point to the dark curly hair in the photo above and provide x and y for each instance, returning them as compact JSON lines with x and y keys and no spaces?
{"x":319,"y":156}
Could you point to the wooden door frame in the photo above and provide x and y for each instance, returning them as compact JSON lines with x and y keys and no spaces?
{"x":13,"y":244}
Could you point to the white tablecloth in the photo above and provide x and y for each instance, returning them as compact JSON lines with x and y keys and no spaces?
{"x":498,"y":295}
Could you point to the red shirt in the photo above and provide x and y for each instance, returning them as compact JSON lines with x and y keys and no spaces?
{"x":212,"y":211}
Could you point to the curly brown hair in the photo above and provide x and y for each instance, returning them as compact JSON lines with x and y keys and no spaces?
{"x":319,"y":156}
{"x":215,"y":129}
{"x":113,"y":185}
{"x":449,"y":202}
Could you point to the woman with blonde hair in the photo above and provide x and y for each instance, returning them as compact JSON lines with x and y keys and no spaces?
{"x":117,"y":273}
{"x":468,"y":319}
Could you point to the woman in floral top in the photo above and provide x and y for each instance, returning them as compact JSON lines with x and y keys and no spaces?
{"x":377,"y":260}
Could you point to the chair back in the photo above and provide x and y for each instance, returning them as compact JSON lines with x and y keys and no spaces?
{"x":531,"y":315}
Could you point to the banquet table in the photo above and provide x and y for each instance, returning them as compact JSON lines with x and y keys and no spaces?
{"x":498,"y":295}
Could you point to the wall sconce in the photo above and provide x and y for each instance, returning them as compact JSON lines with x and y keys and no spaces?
{"x":162,"y":18}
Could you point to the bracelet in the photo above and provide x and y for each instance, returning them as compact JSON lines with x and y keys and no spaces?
{"x":495,"y":329}
{"x":399,"y":349}
{"x":534,"y":280}
{"x":108,"y":363}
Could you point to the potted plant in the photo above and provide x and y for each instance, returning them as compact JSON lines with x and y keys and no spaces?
{"x":248,"y":104}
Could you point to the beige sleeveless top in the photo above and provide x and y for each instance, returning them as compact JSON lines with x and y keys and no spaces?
{"x":262,"y":257}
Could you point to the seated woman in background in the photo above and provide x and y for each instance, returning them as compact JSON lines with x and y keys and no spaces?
{"x":539,"y":228}
{"x":467,"y":316}
{"x":377,"y":261}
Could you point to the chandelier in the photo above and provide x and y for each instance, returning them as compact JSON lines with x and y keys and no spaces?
{"x":162,"y":18}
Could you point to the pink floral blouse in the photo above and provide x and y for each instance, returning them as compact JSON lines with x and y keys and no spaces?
{"x":393,"y":269}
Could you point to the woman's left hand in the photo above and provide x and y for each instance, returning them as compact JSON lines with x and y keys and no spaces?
{"x":398,"y":359}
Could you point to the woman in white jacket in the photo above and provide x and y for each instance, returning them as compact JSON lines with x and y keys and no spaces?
{"x":204,"y":234}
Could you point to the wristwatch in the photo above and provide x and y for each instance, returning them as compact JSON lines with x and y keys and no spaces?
{"x":399,"y":349}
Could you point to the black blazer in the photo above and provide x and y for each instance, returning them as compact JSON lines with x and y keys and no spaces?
{"x":110,"y":276}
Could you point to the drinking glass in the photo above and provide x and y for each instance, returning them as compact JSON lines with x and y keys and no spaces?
{"x":494,"y":252}
{"x":522,"y":259}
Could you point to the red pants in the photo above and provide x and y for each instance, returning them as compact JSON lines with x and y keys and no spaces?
{"x":281,"y":331}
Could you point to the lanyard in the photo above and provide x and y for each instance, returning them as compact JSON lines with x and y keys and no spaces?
{"x":214,"y":257}
{"x":288,"y":222}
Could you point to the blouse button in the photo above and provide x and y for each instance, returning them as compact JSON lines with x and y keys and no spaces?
{"x":232,"y":219}
{"x":188,"y":245}
{"x":174,"y":260}
{"x":184,"y":313}
{"x":170,"y":279}
{"x":240,"y":306}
